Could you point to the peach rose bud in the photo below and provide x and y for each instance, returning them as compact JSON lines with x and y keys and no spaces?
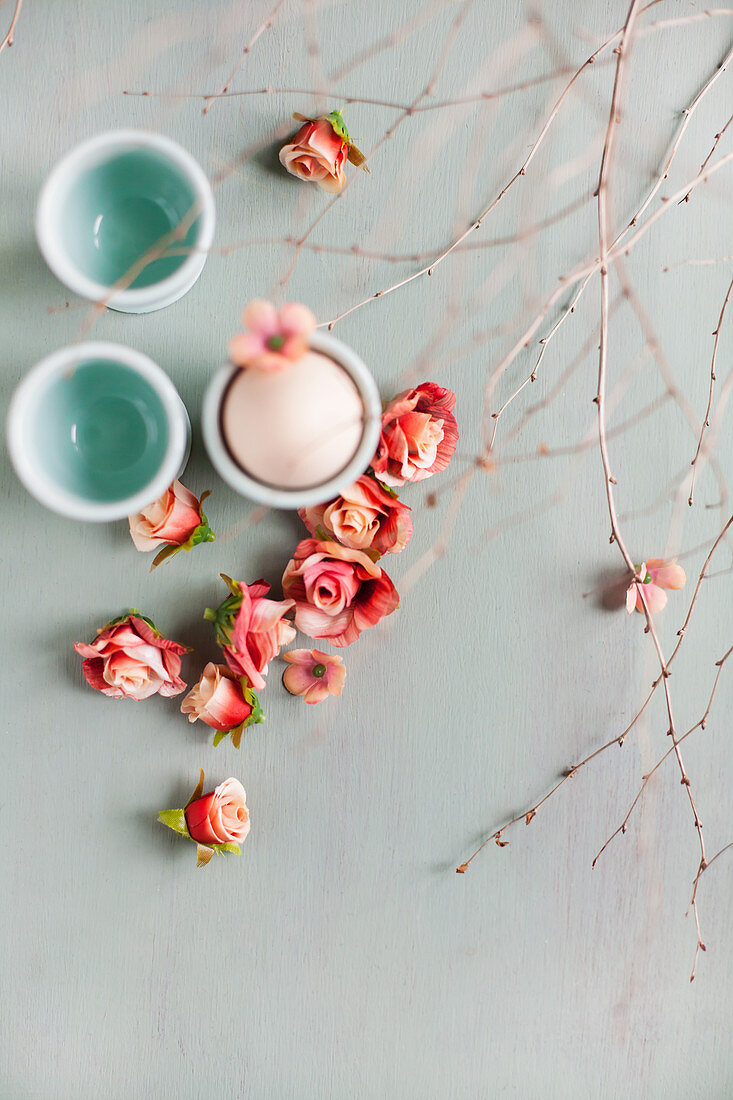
{"x":174,"y":522}
{"x":224,"y":702}
{"x":319,"y":151}
{"x":217,"y":822}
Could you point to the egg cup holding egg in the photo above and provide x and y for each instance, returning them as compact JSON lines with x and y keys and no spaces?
{"x":295,"y":437}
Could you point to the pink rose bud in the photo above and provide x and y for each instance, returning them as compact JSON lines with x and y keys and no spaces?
{"x":366,"y":516}
{"x":130,"y":658}
{"x":419,"y":435}
{"x":251,"y":629}
{"x":223,"y":702}
{"x":175,"y":522}
{"x":338,"y":592}
{"x":221,"y":816}
{"x":319,"y":151}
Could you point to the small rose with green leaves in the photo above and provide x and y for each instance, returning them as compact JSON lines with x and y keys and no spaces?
{"x":217,"y":822}
{"x":250,"y":628}
{"x":223,"y":701}
{"x":319,"y":151}
{"x":175,"y":521}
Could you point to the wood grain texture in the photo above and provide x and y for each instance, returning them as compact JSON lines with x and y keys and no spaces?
{"x":340,"y":955}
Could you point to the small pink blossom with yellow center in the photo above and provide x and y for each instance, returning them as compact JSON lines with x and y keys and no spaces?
{"x":313,"y":674}
{"x":275,"y":338}
{"x":656,"y":575}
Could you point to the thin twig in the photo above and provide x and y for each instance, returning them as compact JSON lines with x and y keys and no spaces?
{"x":223,"y":91}
{"x":706,"y":418}
{"x":9,"y":36}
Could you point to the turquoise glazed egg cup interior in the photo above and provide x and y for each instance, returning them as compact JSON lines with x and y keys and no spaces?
{"x":127,"y":218}
{"x":97,"y":431}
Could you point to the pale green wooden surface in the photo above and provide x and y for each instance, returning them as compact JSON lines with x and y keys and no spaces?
{"x":340,"y":955}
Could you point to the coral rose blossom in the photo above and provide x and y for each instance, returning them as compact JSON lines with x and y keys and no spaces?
{"x":171,"y":519}
{"x":130,"y":658}
{"x":218,"y":699}
{"x":221,"y":816}
{"x":338,"y":591}
{"x":419,"y":435}
{"x":251,"y":629}
{"x":317,"y":154}
{"x":313,"y":674}
{"x":274,"y":338}
{"x":657,"y":574}
{"x":365,"y":516}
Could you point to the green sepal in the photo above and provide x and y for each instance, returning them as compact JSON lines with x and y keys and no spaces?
{"x":338,"y":125}
{"x":175,"y":820}
{"x":220,"y":849}
{"x":234,"y":586}
{"x":250,"y":696}
{"x":219,"y":736}
{"x":323,"y":535}
{"x":203,"y":533}
{"x":167,"y":552}
{"x":223,"y":616}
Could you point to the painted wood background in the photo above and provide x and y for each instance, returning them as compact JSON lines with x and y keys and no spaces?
{"x":340,"y":955}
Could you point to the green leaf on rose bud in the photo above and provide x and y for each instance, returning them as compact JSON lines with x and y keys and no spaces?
{"x":234,"y":586}
{"x":175,"y":820}
{"x":323,"y":535}
{"x":219,"y":736}
{"x":198,"y":789}
{"x":202,"y":533}
{"x":167,"y":552}
{"x":220,"y":849}
{"x":250,"y":697}
{"x":338,"y":125}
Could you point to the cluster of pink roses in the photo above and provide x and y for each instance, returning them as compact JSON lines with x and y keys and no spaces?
{"x":333,"y":586}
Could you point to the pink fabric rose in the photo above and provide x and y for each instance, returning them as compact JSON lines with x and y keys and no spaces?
{"x":221,"y":816}
{"x":419,"y":435}
{"x":275,"y":339}
{"x":171,"y":519}
{"x":218,"y":700}
{"x":338,"y":591}
{"x":365,"y":516}
{"x":130,"y":658}
{"x":313,"y":674}
{"x":657,"y":574}
{"x":251,"y":629}
{"x":318,"y":154}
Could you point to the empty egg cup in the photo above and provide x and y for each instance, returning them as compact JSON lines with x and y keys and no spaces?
{"x":96,"y":431}
{"x":272,"y":495}
{"x":113,"y":201}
